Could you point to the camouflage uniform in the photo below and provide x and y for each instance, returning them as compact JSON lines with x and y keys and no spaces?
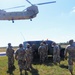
{"x":41,"y":51}
{"x":70,"y":49}
{"x":56,"y":53}
{"x":34,"y":51}
{"x":10,"y":55}
{"x":46,"y":50}
{"x":20,"y":56}
{"x":28,"y":56}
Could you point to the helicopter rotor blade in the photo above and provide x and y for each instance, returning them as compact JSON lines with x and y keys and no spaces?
{"x":45,"y":3}
{"x":14,"y":7}
{"x":29,"y":2}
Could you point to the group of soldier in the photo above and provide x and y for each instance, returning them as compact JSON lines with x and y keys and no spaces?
{"x":25,"y":56}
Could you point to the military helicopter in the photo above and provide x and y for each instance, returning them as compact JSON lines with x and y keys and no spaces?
{"x":28,"y":13}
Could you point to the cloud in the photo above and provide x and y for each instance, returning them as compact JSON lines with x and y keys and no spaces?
{"x":73,"y":7}
{"x":73,"y":10}
{"x":68,"y":13}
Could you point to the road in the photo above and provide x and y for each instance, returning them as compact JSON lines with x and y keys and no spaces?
{"x":2,"y":53}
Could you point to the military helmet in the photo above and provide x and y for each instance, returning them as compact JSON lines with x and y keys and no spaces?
{"x":28,"y":45}
{"x":44,"y":42}
{"x":41,"y":44}
{"x":20,"y":45}
{"x":71,"y":41}
{"x":53,"y":44}
{"x":9,"y":43}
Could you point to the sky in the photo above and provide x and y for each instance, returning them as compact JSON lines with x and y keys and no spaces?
{"x":54,"y":22}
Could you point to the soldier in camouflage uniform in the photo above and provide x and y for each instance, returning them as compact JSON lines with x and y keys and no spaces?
{"x":34,"y":51}
{"x":56,"y":53}
{"x":28,"y":56}
{"x":70,"y":49}
{"x":20,"y":56}
{"x":10,"y":55}
{"x":46,"y":51}
{"x":41,"y":51}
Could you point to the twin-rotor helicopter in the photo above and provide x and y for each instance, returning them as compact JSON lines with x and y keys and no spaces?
{"x":29,"y":13}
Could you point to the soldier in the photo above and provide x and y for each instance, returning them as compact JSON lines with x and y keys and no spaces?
{"x":34,"y":51}
{"x":10,"y":55}
{"x":56,"y":53}
{"x":29,"y":56}
{"x":70,"y":49}
{"x":20,"y":56}
{"x":41,"y":51}
{"x":46,"y":51}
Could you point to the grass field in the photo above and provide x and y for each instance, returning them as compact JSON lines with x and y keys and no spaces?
{"x":48,"y":68}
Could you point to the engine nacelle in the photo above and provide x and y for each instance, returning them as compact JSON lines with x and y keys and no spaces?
{"x":33,"y":9}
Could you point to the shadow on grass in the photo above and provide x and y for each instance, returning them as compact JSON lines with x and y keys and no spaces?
{"x":48,"y":62}
{"x":26,"y":73}
{"x":10,"y":71}
{"x":34,"y":71}
{"x":64,"y":66}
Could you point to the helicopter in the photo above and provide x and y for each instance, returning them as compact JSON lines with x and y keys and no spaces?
{"x":28,"y":13}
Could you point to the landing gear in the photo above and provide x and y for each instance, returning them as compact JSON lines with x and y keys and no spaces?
{"x":12,"y":21}
{"x":31,"y":19}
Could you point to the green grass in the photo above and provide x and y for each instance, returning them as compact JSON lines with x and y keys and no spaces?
{"x":48,"y":68}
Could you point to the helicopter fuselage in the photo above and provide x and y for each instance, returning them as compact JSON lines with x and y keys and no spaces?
{"x":29,"y":13}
